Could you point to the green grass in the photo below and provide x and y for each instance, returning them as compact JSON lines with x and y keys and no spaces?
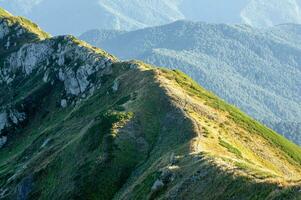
{"x":102,"y":180}
{"x":292,"y":150}
{"x":145,"y":187}
{"x":4,"y":13}
{"x":32,"y":27}
{"x":80,"y":159}
{"x":32,"y":30}
{"x":230,"y":148}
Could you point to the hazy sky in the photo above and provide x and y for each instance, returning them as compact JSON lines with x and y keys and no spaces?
{"x":78,"y":16}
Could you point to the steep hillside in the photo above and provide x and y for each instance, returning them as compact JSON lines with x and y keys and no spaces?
{"x":258,"y":71}
{"x":17,"y":29}
{"x":79,"y":124}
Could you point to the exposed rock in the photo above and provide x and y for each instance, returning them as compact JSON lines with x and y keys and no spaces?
{"x":71,"y":83}
{"x":76,"y":83}
{"x":158,"y":184}
{"x":7,"y":45}
{"x":115,"y":86}
{"x":3,"y":192}
{"x":46,"y":76}
{"x":63,"y":103}
{"x":82,"y":75}
{"x":16,"y":116}
{"x":172,"y":159}
{"x":61,"y":60}
{"x":12,"y":116}
{"x":3,"y":140}
{"x":4,"y":30}
{"x":20,"y":31}
{"x":134,"y":66}
{"x":3,"y":120}
{"x":45,"y":143}
{"x":39,"y":56}
{"x":29,"y":57}
{"x":61,"y":75}
{"x":24,"y":188}
{"x":167,"y":176}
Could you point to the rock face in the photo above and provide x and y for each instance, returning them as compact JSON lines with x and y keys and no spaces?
{"x":16,"y":116}
{"x":39,"y":56}
{"x":158,"y":184}
{"x":28,"y":58}
{"x":8,"y":119}
{"x":4,"y":30}
{"x":64,"y":103}
{"x":115,"y":86}
{"x":60,"y":58}
{"x":3,"y":140}
{"x":42,"y":60}
{"x":3,"y":120}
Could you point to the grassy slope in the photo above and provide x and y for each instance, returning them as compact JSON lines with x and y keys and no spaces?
{"x":4,"y":13}
{"x":92,"y":153}
{"x":21,"y":31}
{"x":229,"y":155}
{"x":25,"y":23}
{"x":117,"y":144}
{"x":291,"y":150}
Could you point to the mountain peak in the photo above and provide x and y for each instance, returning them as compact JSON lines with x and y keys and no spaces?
{"x":16,"y":31}
{"x":4,"y":13}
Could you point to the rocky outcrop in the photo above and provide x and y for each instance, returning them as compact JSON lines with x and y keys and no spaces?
{"x":3,"y":140}
{"x":4,"y":30}
{"x":52,"y":60}
{"x":7,"y":119}
{"x":64,"y":103}
{"x":3,"y":120}
{"x":61,"y":58}
{"x":115,"y":86}
{"x":16,"y":117}
{"x":158,"y":184}
{"x":29,"y":57}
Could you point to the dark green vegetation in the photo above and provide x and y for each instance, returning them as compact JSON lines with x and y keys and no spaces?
{"x":258,"y":71}
{"x":82,"y":125}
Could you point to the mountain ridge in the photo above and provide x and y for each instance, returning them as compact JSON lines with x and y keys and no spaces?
{"x":133,"y":14}
{"x":266,"y":87}
{"x":84,"y":125}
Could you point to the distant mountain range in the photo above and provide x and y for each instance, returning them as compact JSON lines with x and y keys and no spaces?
{"x":78,"y":123}
{"x":59,"y":16}
{"x":258,"y":71}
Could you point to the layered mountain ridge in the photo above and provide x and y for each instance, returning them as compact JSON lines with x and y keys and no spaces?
{"x":80,"y":124}
{"x":136,"y":14}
